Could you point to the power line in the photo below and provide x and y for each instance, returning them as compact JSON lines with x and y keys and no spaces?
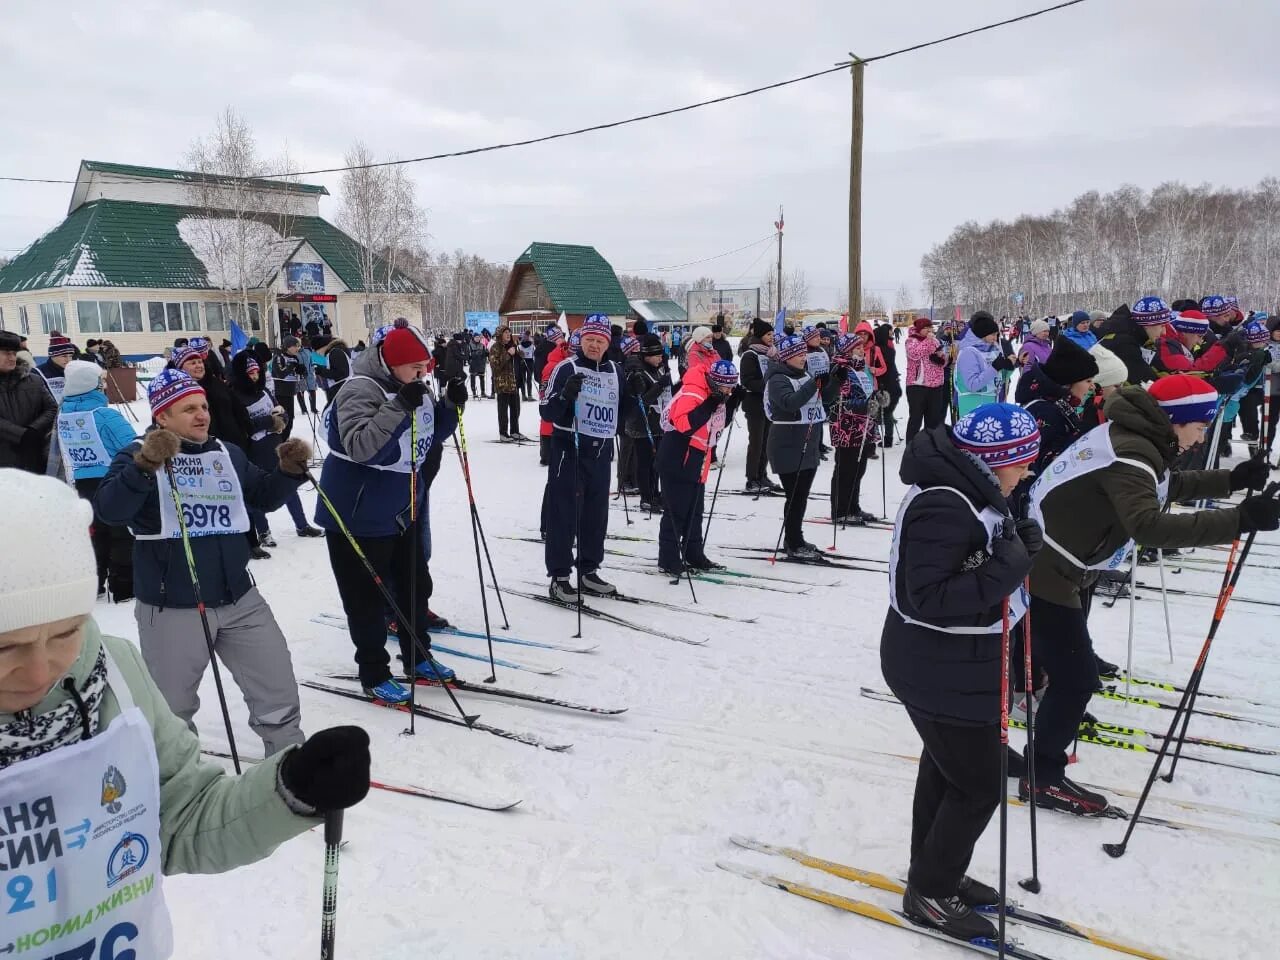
{"x":838,"y":68}
{"x":678,"y":266}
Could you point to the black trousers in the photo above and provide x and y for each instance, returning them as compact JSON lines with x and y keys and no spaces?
{"x":846,"y":478}
{"x":887,"y":419}
{"x":957,"y":791}
{"x":927,"y":407}
{"x":526,"y":380}
{"x":508,"y":413}
{"x":680,"y":535}
{"x":1250,"y":404}
{"x":363,"y":603}
{"x":544,"y":450}
{"x":112,"y":549}
{"x":757,"y":445}
{"x":626,"y":461}
{"x":797,"y":486}
{"x":1061,"y":647}
{"x":567,"y":484}
{"x":285,"y":390}
{"x":644,"y":470}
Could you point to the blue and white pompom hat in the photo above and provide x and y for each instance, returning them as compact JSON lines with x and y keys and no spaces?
{"x":629,"y":345}
{"x":168,"y":387}
{"x":846,"y":342}
{"x":812,"y":336}
{"x":998,"y":434}
{"x":788,"y":347}
{"x":575,"y":340}
{"x":596,"y":325}
{"x":1151,"y":312}
{"x":1255,"y":331}
{"x":202,"y":345}
{"x":181,"y":355}
{"x":554,"y":334}
{"x":1185,"y":399}
{"x":1214,"y":307}
{"x":723,"y":374}
{"x":1191,"y":321}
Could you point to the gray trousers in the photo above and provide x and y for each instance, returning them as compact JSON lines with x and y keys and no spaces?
{"x":250,"y":645}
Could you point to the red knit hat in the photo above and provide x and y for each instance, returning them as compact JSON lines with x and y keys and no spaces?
{"x":921,"y":323}
{"x":404,"y":345}
{"x":1186,"y":399}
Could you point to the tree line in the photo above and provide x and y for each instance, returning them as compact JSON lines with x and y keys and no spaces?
{"x":1105,"y":249}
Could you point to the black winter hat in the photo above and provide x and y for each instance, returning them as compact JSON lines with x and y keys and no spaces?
{"x":983,"y":324}
{"x":760,"y":327}
{"x":639,"y":329}
{"x":1069,"y":363}
{"x":651,"y":346}
{"x":1184,"y":304}
{"x":9,"y":341}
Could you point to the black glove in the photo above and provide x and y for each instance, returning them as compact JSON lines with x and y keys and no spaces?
{"x":410,"y":395}
{"x":1259,"y":513}
{"x":840,"y":373}
{"x":572,"y":387}
{"x":1002,"y":363}
{"x":31,"y":441}
{"x":330,"y":771}
{"x":664,"y":380}
{"x":456,"y":391}
{"x":938,"y":358}
{"x":715,"y":399}
{"x":1030,"y":534}
{"x":1232,"y":342}
{"x":1250,"y":475}
{"x":735,"y":400}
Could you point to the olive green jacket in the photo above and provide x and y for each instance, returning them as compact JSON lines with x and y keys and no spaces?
{"x":210,"y":822}
{"x":1094,"y":515}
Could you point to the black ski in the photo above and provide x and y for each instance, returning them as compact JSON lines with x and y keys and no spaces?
{"x":430,"y":714}
{"x":678,"y":607}
{"x":1206,"y":595}
{"x":504,"y":692}
{"x":819,"y":560}
{"x":598,"y":614}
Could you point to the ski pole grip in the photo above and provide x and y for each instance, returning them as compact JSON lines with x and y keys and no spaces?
{"x":333,"y":828}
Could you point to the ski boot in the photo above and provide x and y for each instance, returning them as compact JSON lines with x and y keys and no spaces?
{"x":433,"y":670}
{"x":592,"y":584}
{"x":388,"y":691}
{"x":950,"y":915}
{"x":1067,"y":797}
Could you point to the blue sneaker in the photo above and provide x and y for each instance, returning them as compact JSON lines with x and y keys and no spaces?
{"x":432,"y":669}
{"x":388,"y":691}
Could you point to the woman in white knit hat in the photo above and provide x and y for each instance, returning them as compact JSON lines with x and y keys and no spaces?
{"x":100,"y":783}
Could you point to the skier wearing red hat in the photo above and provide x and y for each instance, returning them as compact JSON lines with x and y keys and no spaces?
{"x":382,"y":427}
{"x":1103,"y":493}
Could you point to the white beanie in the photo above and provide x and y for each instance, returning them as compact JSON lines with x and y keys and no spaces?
{"x":700,"y":335}
{"x":80,"y":376}
{"x":47,"y":572}
{"x":1111,"y":369}
{"x":1039,"y":327}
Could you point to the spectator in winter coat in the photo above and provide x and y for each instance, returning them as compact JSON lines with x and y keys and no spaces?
{"x":307,"y":363}
{"x":1113,"y":493}
{"x":889,"y":381}
{"x":753,"y":368}
{"x":27,"y":411}
{"x":504,"y":357}
{"x":1036,"y":346}
{"x":926,"y":376}
{"x":477,"y":361}
{"x":334,"y":366}
{"x":1079,"y":328}
{"x":1132,"y":340}
{"x":74,"y":701}
{"x":957,"y":564}
{"x":138,"y":491}
{"x":697,"y":350}
{"x":979,"y":364}
{"x":382,"y":429}
{"x":527,"y":350}
{"x":90,"y":434}
{"x":719,"y":341}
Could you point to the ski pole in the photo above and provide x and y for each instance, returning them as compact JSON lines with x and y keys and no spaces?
{"x":1004,"y":769}
{"x":1164,"y":599}
{"x":622,"y":487}
{"x":653,"y":450}
{"x":479,"y":525}
{"x":1184,"y":705}
{"x":715,"y":494}
{"x":1133,"y":602}
{"x":329,"y":897}
{"x":484,"y":602}
{"x":1032,"y":883}
{"x":884,"y":496}
{"x":204,"y":617}
{"x":577,"y":513}
{"x":387,"y":596}
{"x":411,"y":669}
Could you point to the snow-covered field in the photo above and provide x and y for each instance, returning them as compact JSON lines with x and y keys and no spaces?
{"x":761,"y":732}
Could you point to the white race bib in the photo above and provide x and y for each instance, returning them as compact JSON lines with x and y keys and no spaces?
{"x":80,"y":440}
{"x":260,"y":407}
{"x":209,"y":492}
{"x":82,"y":858}
{"x":812,"y":412}
{"x":423,"y":432}
{"x":817,"y":363}
{"x":597,"y":404}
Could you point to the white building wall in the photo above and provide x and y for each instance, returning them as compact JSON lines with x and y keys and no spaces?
{"x":113,"y":186}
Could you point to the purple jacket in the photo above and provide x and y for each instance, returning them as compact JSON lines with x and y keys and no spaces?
{"x":1038,"y":350}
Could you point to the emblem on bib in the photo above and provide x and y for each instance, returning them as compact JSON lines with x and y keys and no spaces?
{"x":113,"y":788}
{"x":128,"y":857}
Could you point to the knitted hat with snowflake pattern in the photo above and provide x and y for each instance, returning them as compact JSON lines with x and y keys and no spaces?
{"x":998,"y":434}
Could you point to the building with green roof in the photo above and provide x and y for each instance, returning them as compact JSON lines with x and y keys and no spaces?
{"x":549,"y":279}
{"x":147,"y":254}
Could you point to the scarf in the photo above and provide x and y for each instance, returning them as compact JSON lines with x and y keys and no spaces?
{"x":27,"y":736}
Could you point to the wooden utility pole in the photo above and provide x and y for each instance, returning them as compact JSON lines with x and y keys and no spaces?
{"x":778,"y":225}
{"x":855,"y":199}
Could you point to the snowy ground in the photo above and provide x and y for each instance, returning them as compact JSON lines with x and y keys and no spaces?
{"x":761,"y":732}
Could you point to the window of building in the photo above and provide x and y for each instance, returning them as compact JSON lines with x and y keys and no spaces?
{"x":235,"y":311}
{"x":105,"y":316}
{"x":2,"y":318}
{"x":215,"y":316}
{"x":131,"y":314}
{"x":163,"y":317}
{"x":190,"y":315}
{"x":52,"y":317}
{"x":373,"y":315}
{"x":24,"y":325}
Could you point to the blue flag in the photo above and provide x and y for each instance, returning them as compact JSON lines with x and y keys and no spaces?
{"x":238,"y":339}
{"x":780,"y":322}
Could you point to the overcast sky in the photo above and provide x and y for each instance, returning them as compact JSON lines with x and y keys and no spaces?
{"x":1016,"y":120}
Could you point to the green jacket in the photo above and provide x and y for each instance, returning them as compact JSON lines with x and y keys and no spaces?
{"x":209,"y":822}
{"x":1094,"y":515}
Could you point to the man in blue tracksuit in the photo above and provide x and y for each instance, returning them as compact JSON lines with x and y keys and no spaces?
{"x":584,"y":397}
{"x":90,"y":434}
{"x":216,"y":485}
{"x":371,"y":425}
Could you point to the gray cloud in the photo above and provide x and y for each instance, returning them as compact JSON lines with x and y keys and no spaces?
{"x":1016,"y":120}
